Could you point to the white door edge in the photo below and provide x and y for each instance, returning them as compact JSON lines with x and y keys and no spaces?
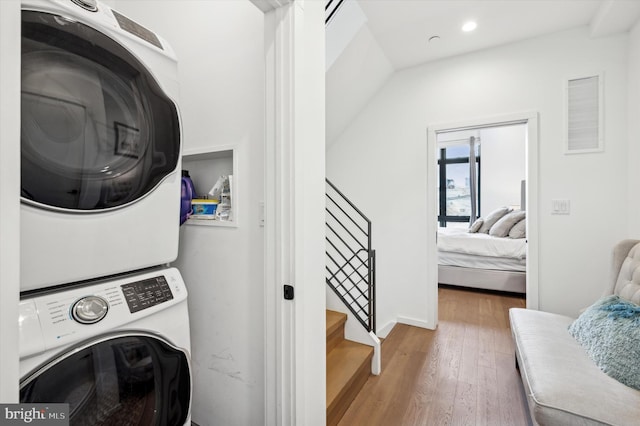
{"x":294,"y":214}
{"x":279,"y":326}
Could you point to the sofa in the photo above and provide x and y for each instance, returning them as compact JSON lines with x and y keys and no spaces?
{"x":562,"y":382}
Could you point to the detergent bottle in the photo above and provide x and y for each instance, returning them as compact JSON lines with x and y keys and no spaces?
{"x":187,"y":193}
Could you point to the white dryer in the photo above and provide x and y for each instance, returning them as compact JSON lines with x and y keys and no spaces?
{"x":118,"y":352}
{"x":100,"y":143}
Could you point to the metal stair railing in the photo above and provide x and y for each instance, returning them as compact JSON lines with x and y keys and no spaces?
{"x":330,"y":9}
{"x":350,"y":259}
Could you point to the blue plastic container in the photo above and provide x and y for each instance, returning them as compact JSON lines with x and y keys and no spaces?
{"x":204,"y":209}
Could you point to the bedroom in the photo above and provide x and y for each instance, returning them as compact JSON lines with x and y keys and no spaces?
{"x":478,"y":243}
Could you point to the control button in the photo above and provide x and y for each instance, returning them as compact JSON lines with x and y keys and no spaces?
{"x":90,"y":5}
{"x":90,"y":309}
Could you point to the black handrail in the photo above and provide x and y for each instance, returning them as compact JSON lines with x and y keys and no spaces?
{"x":353,"y":206}
{"x":350,"y":257}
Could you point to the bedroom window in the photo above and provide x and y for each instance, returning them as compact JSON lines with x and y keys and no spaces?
{"x":458,"y":185}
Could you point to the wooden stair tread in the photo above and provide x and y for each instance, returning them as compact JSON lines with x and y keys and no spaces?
{"x":348,"y":367}
{"x":335,"y":320}
{"x":345,"y":363}
{"x":335,"y":329}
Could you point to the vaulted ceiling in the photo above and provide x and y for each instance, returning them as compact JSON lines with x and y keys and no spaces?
{"x":369,"y":40}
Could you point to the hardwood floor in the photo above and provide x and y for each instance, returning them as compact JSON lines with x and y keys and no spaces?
{"x":463,"y":373}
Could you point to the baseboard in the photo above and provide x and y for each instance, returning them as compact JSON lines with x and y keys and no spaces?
{"x":416,"y":323}
{"x":386,"y":329}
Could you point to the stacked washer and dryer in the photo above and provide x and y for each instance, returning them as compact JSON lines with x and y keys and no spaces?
{"x":104,"y":325}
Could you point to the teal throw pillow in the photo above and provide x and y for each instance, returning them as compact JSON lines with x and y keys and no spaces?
{"x":609,"y":330}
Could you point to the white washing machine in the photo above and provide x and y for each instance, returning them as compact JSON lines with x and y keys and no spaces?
{"x":118,"y":351}
{"x":100,"y":143}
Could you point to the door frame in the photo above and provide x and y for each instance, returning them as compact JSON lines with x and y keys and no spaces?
{"x":294,"y":212}
{"x":532,"y":199}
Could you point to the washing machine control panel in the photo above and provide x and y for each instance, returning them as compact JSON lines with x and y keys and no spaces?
{"x":143,"y":301}
{"x":146,"y":293}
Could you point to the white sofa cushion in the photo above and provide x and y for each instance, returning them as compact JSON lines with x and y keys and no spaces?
{"x":563,"y":385}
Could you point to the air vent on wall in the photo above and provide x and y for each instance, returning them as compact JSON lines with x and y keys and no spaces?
{"x":583,"y":120}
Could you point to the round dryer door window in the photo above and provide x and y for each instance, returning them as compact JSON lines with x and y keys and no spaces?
{"x":97,"y":130}
{"x":124,"y":381}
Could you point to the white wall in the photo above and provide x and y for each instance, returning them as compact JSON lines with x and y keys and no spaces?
{"x":503,"y":161}
{"x":633,"y":74}
{"x":220,"y":50}
{"x":380,"y":162}
{"x":359,"y":71}
{"x":9,"y":197}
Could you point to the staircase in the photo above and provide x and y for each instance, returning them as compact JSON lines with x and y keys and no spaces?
{"x":350,"y":274}
{"x":348,"y":367}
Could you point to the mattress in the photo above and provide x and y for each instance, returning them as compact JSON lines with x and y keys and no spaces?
{"x":481,"y":262}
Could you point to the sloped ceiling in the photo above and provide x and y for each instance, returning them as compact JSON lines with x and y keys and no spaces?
{"x":395,"y":35}
{"x":354,"y":77}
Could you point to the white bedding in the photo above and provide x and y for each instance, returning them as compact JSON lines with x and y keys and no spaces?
{"x":459,"y":240}
{"x":449,"y":258}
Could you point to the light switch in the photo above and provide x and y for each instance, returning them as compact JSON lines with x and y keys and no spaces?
{"x":560,"y":207}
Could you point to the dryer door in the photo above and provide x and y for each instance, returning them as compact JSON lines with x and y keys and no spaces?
{"x":97,"y":130}
{"x":127,"y":380}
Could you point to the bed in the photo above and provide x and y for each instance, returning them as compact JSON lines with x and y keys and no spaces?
{"x":481,"y":260}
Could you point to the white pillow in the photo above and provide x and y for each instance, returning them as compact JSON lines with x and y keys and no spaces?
{"x":492,"y":218}
{"x":519,"y":230}
{"x":475,"y":226}
{"x":502,"y":227}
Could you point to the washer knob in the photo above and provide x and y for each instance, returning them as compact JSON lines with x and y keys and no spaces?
{"x":90,"y":309}
{"x":90,"y":5}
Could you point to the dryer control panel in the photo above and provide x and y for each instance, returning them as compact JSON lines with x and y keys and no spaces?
{"x":146,"y":293}
{"x":69,"y":315}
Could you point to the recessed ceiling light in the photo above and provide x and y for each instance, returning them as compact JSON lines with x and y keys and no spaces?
{"x":469,"y":26}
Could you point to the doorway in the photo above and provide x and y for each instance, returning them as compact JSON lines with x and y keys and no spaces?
{"x":468,"y":193}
